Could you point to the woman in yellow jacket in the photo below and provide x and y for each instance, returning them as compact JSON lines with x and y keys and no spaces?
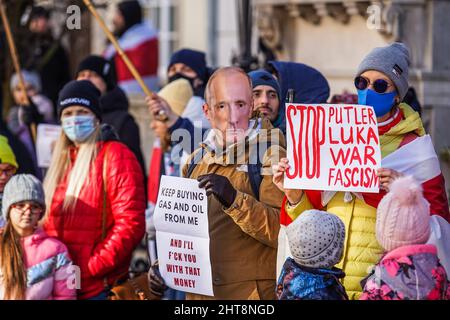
{"x":382,"y":82}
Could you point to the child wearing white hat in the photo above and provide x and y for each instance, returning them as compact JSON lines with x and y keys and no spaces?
{"x":316,"y":240}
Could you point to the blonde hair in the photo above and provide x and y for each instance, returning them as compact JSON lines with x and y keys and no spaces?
{"x":80,"y":172}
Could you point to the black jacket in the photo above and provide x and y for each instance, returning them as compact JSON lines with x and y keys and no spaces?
{"x":114,"y":106}
{"x":47,"y":56}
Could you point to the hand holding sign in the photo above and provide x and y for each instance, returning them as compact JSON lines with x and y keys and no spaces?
{"x":332,"y":147}
{"x":293,"y":195}
{"x":387,"y":176}
{"x":156,"y":283}
{"x":219,"y":186}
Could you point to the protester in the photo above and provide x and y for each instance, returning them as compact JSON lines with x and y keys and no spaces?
{"x":410,"y":269}
{"x":243,"y":224}
{"x":8,"y":167}
{"x":33,"y":88}
{"x":40,"y":51}
{"x":22,"y":115}
{"x":307,"y":84}
{"x":94,"y":192}
{"x":33,"y":266}
{"x":266,"y":96}
{"x":139,"y":41}
{"x":113,"y":102}
{"x":177,"y":95}
{"x":382,"y":81}
{"x":190,"y":65}
{"x":316,"y":240}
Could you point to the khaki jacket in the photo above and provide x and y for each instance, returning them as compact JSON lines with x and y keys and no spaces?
{"x":243,"y":238}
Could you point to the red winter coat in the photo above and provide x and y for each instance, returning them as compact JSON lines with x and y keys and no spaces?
{"x":81,"y":229}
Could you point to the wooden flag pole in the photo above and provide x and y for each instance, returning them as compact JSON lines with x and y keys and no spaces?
{"x":162,"y":115}
{"x":13,"y":51}
{"x":119,"y":50}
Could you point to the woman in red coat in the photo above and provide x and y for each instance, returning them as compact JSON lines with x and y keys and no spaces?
{"x":76,"y":198}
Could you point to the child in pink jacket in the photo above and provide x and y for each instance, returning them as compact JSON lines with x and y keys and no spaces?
{"x":33,"y":266}
{"x":410,"y":269}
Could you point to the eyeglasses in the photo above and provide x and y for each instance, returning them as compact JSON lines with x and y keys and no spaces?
{"x":23,"y":207}
{"x":379,"y":85}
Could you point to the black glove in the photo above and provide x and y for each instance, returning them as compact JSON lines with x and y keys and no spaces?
{"x":219,"y":186}
{"x":30,"y":113}
{"x":155,"y":281}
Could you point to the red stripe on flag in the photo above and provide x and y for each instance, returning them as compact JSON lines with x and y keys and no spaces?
{"x":154,"y":174}
{"x":144,"y":58}
{"x":434,"y":192}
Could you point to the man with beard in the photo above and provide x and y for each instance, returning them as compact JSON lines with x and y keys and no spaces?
{"x":266,"y":96}
{"x":139,"y":41}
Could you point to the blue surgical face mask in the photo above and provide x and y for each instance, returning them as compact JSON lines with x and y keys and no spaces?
{"x":78,"y":128}
{"x":381,"y":102}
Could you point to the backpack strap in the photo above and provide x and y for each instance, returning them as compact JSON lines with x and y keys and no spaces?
{"x":193,"y":163}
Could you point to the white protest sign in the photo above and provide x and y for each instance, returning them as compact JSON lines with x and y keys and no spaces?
{"x":182,"y":235}
{"x":47,"y":135}
{"x":332,"y":147}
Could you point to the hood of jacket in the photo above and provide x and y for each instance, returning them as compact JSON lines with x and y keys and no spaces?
{"x":309,"y":84}
{"x":114,"y":100}
{"x":108,"y":133}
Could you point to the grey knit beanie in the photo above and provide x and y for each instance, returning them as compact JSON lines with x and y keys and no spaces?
{"x":22,"y":187}
{"x":316,"y":239}
{"x":393,"y":61}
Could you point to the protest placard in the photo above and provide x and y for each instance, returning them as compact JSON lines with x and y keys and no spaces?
{"x":332,"y":147}
{"x":182,"y":235}
{"x":47,"y":135}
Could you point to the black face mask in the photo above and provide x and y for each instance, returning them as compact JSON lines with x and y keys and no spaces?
{"x":177,"y":76}
{"x":197,"y":91}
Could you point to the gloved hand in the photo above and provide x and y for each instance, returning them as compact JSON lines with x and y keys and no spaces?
{"x":219,"y":186}
{"x":155,"y":281}
{"x":29,"y":113}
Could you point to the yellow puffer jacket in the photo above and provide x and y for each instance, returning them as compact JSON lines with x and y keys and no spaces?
{"x":361,"y":248}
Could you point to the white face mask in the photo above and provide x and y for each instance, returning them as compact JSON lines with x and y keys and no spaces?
{"x":78,"y":128}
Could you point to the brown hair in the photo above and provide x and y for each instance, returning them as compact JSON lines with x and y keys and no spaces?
{"x":12,"y":264}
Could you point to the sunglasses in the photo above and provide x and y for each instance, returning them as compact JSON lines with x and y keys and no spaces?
{"x":379,"y":85}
